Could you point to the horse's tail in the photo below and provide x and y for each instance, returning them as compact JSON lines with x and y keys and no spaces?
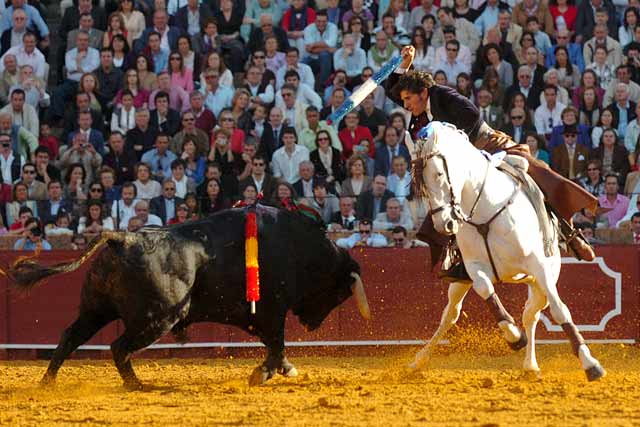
{"x":26,"y":272}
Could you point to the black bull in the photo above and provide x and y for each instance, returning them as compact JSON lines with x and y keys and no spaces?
{"x":161,"y":280}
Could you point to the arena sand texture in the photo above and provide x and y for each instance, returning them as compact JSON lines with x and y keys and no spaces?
{"x":464,"y":386}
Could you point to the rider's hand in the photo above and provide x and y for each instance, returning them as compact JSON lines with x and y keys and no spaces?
{"x":408,"y":53}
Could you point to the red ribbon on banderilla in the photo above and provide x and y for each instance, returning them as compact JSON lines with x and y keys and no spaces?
{"x":251,"y":258}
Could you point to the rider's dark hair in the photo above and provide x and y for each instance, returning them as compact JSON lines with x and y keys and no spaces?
{"x":414,"y":82}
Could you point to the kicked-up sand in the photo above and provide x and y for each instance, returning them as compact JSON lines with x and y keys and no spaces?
{"x":458,"y":389}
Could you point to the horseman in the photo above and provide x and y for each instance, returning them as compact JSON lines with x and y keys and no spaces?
{"x":428,"y":101}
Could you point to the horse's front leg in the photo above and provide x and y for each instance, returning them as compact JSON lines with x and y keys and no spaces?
{"x":483,"y":286}
{"x":450,"y":315}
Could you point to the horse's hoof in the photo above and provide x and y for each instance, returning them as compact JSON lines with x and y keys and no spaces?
{"x":289,"y":372}
{"x":259,"y":376}
{"x":133,"y":385}
{"x":520,"y":344}
{"x":48,"y":381}
{"x":595,"y":373}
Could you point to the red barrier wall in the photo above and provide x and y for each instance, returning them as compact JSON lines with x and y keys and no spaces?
{"x":406,"y":301}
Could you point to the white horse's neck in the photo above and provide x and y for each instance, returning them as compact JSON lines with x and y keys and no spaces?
{"x":496,"y":191}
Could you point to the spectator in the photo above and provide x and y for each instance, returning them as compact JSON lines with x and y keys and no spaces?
{"x":194,"y":163}
{"x":294,"y":111}
{"x":190,"y":131}
{"x":374,"y":201}
{"x":217,"y":97}
{"x":286,"y":160}
{"x":623,"y":75}
{"x":548,"y":114}
{"x":392,"y":147}
{"x":425,"y":53}
{"x":322,"y":201}
{"x":122,"y":210}
{"x":115,"y":27}
{"x":178,"y":97}
{"x":272,"y":133}
{"x":292,"y":63}
{"x":492,"y":115}
{"x":147,"y":78}
{"x":568,"y":74}
{"x":364,"y":237}
{"x":120,"y":158}
{"x":399,"y":182}
{"x":132,"y":83}
{"x":393,"y":216}
{"x":79,"y":242}
{"x":320,"y":42}
{"x":593,"y":181}
{"x":266,"y":29}
{"x":613,"y":200}
{"x":81,"y":151}
{"x":61,"y":226}
{"x":160,"y":158}
{"x":142,"y":137}
{"x":524,"y":86}
{"x":630,"y":20}
{"x":190,"y":18}
{"x":213,"y":200}
{"x":570,"y":158}
{"x":22,"y":114}
{"x":381,"y":51}
{"x":345,"y":218}
{"x":489,"y":16}
{"x":229,"y":18}
{"x":569,"y":118}
{"x":165,"y":206}
{"x":76,"y":186}
{"x":82,"y":103}
{"x":272,"y":59}
{"x":37,"y":189}
{"x":9,"y":76}
{"x":135,"y":224}
{"x":166,"y":35}
{"x":111,"y":192}
{"x":45,"y":171}
{"x":123,"y":118}
{"x":208,"y":41}
{"x":34,"y":91}
{"x":184,"y":184}
{"x":518,"y":127}
{"x":10,"y":162}
{"x":260,"y":91}
{"x":78,"y":61}
{"x":339,"y":82}
{"x":605,"y":122}
{"x":543,"y":42}
{"x":12,"y":37}
{"x":181,"y":76}
{"x":26,"y":53}
{"x":96,"y":37}
{"x":20,"y":197}
{"x":586,"y":18}
{"x":263,"y":182}
{"x":589,"y":110}
{"x":305,"y":185}
{"x":623,"y":110}
{"x":221,"y":152}
{"x":32,"y":238}
{"x":95,"y":219}
{"x":93,"y":136}
{"x":204,"y":118}
{"x":359,"y":10}
{"x":353,"y":133}
{"x":563,"y":39}
{"x":50,"y":142}
{"x":350,"y":58}
{"x":537,"y":147}
{"x":635,"y":227}
{"x":142,"y":213}
{"x":614,"y":157}
{"x":183,"y":214}
{"x":357,"y":182}
{"x":121,"y":53}
{"x":359,"y":32}
{"x":326,"y":159}
{"x":612,"y":49}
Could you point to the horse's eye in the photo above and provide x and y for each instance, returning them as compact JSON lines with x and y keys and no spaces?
{"x":439,"y":174}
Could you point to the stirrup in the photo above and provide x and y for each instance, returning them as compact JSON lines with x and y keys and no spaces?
{"x":574,"y":234}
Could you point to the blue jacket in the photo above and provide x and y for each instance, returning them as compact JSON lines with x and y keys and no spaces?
{"x":383,"y":161}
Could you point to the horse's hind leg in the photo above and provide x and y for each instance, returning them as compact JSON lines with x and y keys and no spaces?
{"x":536,"y":302}
{"x":457,"y":292}
{"x":562,"y":316}
{"x":484,"y":288}
{"x":81,"y":331}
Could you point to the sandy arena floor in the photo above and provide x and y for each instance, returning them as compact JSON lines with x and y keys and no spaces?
{"x":458,"y":390}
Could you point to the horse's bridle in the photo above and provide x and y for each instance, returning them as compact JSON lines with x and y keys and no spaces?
{"x":456,"y":208}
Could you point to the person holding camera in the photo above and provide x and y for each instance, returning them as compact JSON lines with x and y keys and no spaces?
{"x":83,"y":152}
{"x":32,"y":238}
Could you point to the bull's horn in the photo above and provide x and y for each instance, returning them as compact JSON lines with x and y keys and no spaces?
{"x":361,"y":298}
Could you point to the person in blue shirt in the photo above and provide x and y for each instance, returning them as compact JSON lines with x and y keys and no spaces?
{"x":364,"y":237}
{"x":575,"y":51}
{"x":33,"y":238}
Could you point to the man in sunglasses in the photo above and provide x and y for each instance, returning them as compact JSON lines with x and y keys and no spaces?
{"x":37,"y":190}
{"x":364,"y":237}
{"x":427,"y":101}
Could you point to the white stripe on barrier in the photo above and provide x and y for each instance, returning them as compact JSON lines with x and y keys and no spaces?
{"x":288,"y":344}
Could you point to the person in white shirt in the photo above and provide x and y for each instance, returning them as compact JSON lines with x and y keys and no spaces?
{"x":463,"y":54}
{"x":286,"y":159}
{"x":452,"y":66}
{"x":123,"y":118}
{"x":393,"y":216}
{"x":147,"y":188}
{"x":27,"y":54}
{"x":549,"y":113}
{"x":304,"y":93}
{"x":364,"y":237}
{"x":350,"y":58}
{"x":141,"y":208}
{"x":399,"y":182}
{"x":122,"y":210}
{"x":294,"y":111}
{"x":304,"y":71}
{"x":320,"y":42}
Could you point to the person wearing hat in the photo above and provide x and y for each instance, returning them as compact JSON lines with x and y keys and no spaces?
{"x":570,"y":159}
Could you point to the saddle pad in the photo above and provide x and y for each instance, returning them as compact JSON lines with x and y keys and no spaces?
{"x":536,"y":197}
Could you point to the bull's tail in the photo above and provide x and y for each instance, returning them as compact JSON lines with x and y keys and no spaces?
{"x":26,"y":272}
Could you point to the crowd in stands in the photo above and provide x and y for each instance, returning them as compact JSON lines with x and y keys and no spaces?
{"x":159,"y":112}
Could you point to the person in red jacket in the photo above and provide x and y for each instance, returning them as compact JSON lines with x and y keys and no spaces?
{"x":353,"y":133}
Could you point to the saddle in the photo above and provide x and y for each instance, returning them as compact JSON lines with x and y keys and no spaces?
{"x":516,"y":167}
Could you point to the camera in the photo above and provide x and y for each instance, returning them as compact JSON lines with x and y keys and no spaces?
{"x":84,"y":145}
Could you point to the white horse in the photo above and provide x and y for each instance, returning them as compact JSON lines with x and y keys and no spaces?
{"x":465,"y":190}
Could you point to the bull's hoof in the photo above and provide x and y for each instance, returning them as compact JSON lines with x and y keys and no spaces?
{"x":259,"y":376}
{"x":595,"y":373}
{"x":520,"y":344}
{"x":133,"y":385}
